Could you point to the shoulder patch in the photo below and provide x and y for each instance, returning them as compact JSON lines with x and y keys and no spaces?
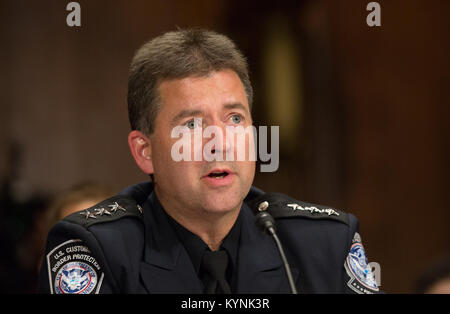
{"x":111,"y":209}
{"x":283,"y":206}
{"x":73,"y":270}
{"x":358,"y":269}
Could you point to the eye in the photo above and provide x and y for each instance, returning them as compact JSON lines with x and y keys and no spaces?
{"x":194,"y":123}
{"x":236,"y":118}
{"x":191,"y":124}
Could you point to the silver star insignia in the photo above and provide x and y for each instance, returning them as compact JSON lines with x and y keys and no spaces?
{"x":116,"y":206}
{"x":88,"y":214}
{"x":102,"y":211}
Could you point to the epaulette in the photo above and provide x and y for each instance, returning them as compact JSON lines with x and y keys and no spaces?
{"x":111,"y":209}
{"x":283,"y":206}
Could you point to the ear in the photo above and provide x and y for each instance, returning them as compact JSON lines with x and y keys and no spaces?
{"x":141,"y":150}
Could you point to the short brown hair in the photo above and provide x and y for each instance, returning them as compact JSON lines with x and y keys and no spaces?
{"x":178,"y":54}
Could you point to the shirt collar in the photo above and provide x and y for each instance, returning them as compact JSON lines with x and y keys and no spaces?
{"x":195,"y":246}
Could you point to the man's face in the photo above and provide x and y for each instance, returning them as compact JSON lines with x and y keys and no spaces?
{"x":219,"y":100}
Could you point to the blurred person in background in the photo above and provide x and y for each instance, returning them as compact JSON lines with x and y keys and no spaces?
{"x":22,"y":231}
{"x":435,"y":279}
{"x":80,"y":196}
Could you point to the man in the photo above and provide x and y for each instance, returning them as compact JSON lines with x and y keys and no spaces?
{"x":192,"y":229}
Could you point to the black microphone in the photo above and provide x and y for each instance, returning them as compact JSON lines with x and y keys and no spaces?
{"x":266,"y":223}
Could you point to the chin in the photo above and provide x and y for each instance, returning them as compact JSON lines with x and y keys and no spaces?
{"x":222,"y":203}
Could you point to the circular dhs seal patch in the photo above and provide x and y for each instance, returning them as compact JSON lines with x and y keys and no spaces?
{"x":359,"y":270}
{"x":75,"y":277}
{"x":73,"y":270}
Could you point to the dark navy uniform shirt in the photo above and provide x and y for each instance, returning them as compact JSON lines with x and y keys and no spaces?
{"x":128,"y":244}
{"x":195,"y":247}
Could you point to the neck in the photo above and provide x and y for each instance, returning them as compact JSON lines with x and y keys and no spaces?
{"x":211,"y":227}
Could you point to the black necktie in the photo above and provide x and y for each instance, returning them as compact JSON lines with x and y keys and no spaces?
{"x":215,"y":264}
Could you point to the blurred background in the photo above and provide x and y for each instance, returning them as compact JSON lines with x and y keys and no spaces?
{"x":363,"y":113}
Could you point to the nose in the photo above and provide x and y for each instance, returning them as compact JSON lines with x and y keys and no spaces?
{"x":217,"y":144}
{"x":224,"y":142}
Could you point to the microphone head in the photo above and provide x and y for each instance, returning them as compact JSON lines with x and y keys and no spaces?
{"x":265,"y":222}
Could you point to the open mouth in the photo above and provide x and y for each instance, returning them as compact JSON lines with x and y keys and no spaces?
{"x":218,"y":175}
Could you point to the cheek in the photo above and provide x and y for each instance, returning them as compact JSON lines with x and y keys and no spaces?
{"x":185,"y":146}
{"x":246,"y":172}
{"x":250,"y":170}
{"x":251,"y":149}
{"x":161,"y":156}
{"x":175,"y":172}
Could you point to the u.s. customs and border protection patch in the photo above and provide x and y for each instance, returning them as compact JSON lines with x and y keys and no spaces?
{"x":73,"y":270}
{"x":359,"y":270}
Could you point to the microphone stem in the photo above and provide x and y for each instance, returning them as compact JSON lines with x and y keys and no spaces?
{"x":284,"y":259}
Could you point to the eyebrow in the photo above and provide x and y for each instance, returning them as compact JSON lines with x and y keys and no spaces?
{"x":186,"y":113}
{"x":235,"y":105}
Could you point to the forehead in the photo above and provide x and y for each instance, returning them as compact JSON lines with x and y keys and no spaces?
{"x":211,"y":91}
